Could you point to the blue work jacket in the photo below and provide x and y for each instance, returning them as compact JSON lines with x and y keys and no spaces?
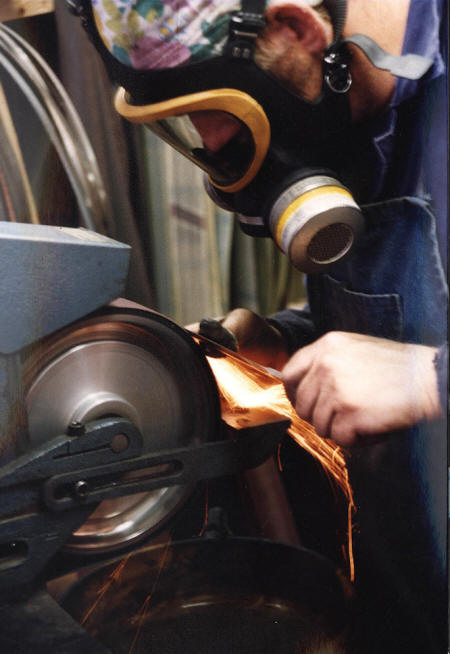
{"x":394,"y":286}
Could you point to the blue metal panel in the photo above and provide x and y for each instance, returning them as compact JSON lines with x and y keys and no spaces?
{"x":51,"y":276}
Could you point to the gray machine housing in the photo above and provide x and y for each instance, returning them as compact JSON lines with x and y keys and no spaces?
{"x":49,"y":277}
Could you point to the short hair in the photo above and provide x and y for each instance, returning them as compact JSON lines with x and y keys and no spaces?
{"x":154,"y":34}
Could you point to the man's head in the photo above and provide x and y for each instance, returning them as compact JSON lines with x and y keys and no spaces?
{"x":158,"y":34}
{"x":153,"y":34}
{"x":259,"y":94}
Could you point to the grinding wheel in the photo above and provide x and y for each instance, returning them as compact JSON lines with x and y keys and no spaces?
{"x":133,"y":364}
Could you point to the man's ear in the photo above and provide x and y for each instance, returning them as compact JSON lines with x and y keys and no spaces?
{"x":299,"y":23}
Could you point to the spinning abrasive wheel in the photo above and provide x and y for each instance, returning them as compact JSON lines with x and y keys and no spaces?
{"x":132,"y":364}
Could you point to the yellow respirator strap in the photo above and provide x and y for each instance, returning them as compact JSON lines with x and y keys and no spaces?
{"x":234,"y":102}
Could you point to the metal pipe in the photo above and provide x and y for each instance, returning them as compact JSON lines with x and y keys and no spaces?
{"x":266,"y":495}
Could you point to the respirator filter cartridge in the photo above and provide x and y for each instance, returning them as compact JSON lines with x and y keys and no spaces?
{"x":315,"y":222}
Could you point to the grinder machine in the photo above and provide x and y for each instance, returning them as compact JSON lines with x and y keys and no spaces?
{"x":109,"y":416}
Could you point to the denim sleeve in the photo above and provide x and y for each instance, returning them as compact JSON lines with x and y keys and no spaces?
{"x":296,"y":326}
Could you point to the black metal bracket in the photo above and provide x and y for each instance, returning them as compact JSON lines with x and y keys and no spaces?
{"x":31,"y":533}
{"x":98,"y":443}
{"x":336,"y":69}
{"x":244,"y":28}
{"x":48,"y":493}
{"x":246,"y":448}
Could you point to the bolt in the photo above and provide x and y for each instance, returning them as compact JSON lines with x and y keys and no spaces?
{"x":119,"y":443}
{"x":76,"y":428}
{"x":81,"y":488}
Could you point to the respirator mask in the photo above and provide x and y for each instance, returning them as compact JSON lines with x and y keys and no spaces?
{"x":292,"y":168}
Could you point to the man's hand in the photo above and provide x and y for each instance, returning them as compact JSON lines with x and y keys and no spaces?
{"x":349,"y":385}
{"x":256,"y":338}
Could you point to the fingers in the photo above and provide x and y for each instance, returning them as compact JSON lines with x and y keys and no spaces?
{"x":215,"y":331}
{"x":248,"y":333}
{"x":324,"y":416}
{"x":242,"y":323}
{"x":342,"y":429}
{"x":306,"y":397}
{"x":295,"y":371}
{"x":312,"y":383}
{"x":257,"y":338}
{"x":316,"y":403}
{"x":349,"y":386}
{"x":313,"y":400}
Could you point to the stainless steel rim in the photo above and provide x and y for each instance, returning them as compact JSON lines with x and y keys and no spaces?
{"x":111,"y":366}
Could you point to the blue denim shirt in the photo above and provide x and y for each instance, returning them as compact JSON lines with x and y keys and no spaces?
{"x":394,"y":286}
{"x":409,"y":144}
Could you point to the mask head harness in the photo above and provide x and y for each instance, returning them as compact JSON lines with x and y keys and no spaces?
{"x":288,"y":171}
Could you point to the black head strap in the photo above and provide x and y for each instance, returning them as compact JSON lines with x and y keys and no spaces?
{"x":246,"y":24}
{"x":337,"y":10}
{"x":409,"y":66}
{"x":245,"y":27}
{"x":337,"y":57}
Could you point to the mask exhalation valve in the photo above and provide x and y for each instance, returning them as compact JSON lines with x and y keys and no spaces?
{"x":315,"y":222}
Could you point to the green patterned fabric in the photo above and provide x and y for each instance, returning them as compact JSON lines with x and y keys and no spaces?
{"x":149,"y":34}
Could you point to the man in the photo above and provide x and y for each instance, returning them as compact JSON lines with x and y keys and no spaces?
{"x":366,"y":361}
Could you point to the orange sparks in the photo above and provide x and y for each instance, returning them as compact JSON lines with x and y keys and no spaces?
{"x":205,"y":519}
{"x":142,"y":613}
{"x":280,"y":465}
{"x":251,"y":395}
{"x":114,"y":576}
{"x":144,"y":608}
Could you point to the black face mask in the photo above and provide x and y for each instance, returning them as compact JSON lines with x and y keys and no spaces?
{"x":289,"y":171}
